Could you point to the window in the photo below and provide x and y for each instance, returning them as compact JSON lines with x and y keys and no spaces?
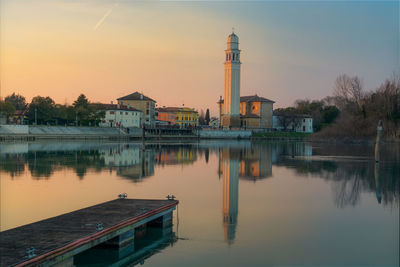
{"x":147,"y":112}
{"x":226,"y":57}
{"x":147,"y":104}
{"x":126,"y":113}
{"x":112,"y":112}
{"x":120,"y":113}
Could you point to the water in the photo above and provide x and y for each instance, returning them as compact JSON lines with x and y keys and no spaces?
{"x":241,"y":203}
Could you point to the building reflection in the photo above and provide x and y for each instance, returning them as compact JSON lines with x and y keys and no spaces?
{"x":176,"y":155}
{"x":349,"y":168}
{"x":255,"y":163}
{"x":229,"y":162}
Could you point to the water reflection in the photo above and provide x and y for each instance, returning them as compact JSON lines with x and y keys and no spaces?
{"x":229,"y":162}
{"x":349,"y":169}
{"x":148,"y":242}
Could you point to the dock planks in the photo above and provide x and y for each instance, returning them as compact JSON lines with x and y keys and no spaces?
{"x":55,"y":236}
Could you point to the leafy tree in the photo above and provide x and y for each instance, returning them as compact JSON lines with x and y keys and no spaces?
{"x":7,"y":108}
{"x":81,"y":107}
{"x":44,"y":106}
{"x":207,"y":117}
{"x":202,"y":119}
{"x":329,"y":114}
{"x":97,"y":113}
{"x":18,"y":101}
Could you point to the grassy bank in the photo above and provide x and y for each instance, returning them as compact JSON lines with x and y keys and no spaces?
{"x":281,"y":135}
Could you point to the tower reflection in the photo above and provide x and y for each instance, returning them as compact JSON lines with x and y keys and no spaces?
{"x":229,"y":161}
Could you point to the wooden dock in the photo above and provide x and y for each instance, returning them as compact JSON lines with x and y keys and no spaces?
{"x":57,"y":240}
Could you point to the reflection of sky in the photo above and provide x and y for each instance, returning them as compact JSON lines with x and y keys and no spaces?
{"x":287,"y":219}
{"x":167,"y":48}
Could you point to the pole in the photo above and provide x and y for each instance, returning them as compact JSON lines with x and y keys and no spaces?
{"x":378,"y":141}
{"x":76,"y":118}
{"x":143,"y":136}
{"x":35,"y":116}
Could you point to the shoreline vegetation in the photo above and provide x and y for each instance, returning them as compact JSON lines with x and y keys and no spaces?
{"x":351,"y":114}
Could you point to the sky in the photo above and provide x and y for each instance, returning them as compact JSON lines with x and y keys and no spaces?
{"x":173,"y":51}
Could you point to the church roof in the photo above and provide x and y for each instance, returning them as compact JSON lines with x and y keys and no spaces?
{"x":251,"y":98}
{"x":136,"y":96}
{"x":255,"y":98}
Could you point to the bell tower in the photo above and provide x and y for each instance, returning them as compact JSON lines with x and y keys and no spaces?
{"x":231,"y":107}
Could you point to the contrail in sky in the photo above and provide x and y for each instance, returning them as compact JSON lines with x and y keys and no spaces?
{"x":104,"y":17}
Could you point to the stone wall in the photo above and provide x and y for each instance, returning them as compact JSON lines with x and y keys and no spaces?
{"x":224,"y":134}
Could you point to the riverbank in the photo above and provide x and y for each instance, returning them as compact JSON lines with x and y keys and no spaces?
{"x":10,"y":133}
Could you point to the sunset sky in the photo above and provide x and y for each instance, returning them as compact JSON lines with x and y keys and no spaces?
{"x":173,"y":52}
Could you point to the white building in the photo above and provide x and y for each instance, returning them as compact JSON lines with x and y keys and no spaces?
{"x":231,"y":111}
{"x":120,"y":115}
{"x":298,"y":123}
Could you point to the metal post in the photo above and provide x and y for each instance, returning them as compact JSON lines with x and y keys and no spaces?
{"x":378,"y":141}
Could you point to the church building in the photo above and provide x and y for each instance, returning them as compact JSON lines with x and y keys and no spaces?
{"x":235,"y":111}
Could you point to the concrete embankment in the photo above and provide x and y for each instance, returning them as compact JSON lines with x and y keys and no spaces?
{"x":33,"y":133}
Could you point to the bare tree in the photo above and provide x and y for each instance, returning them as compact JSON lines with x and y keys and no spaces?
{"x":348,"y":93}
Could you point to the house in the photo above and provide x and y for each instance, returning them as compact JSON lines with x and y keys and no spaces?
{"x":121,"y":115}
{"x":255,"y":111}
{"x":181,"y":116}
{"x":293,"y":122}
{"x":143,"y":103}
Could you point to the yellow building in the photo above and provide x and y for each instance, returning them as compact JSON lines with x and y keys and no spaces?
{"x":184,"y":117}
{"x":255,"y":111}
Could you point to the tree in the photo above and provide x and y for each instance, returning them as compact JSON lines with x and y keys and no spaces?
{"x":44,"y":107}
{"x":207,"y":117}
{"x":7,"y":108}
{"x":97,"y":113}
{"x":18,"y":101}
{"x":81,"y":107}
{"x":288,"y":117}
{"x":348,"y":93}
{"x":202,"y":118}
{"x":329,"y":114}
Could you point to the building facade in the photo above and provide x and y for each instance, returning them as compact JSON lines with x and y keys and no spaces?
{"x":230,"y":116}
{"x":183,"y":117}
{"x":120,"y":115}
{"x":143,"y":103}
{"x":255,"y":111}
{"x":296,"y":122}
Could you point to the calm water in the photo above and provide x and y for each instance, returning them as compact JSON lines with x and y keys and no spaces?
{"x":241,"y":203}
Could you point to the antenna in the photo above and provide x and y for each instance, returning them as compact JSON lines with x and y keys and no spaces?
{"x":233,"y":30}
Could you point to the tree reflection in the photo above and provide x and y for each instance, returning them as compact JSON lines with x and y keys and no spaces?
{"x":350,"y":169}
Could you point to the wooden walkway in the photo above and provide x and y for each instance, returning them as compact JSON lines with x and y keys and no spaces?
{"x":66,"y":235}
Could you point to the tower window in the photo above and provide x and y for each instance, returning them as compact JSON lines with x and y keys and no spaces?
{"x":226,"y":57}
{"x":233,"y":57}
